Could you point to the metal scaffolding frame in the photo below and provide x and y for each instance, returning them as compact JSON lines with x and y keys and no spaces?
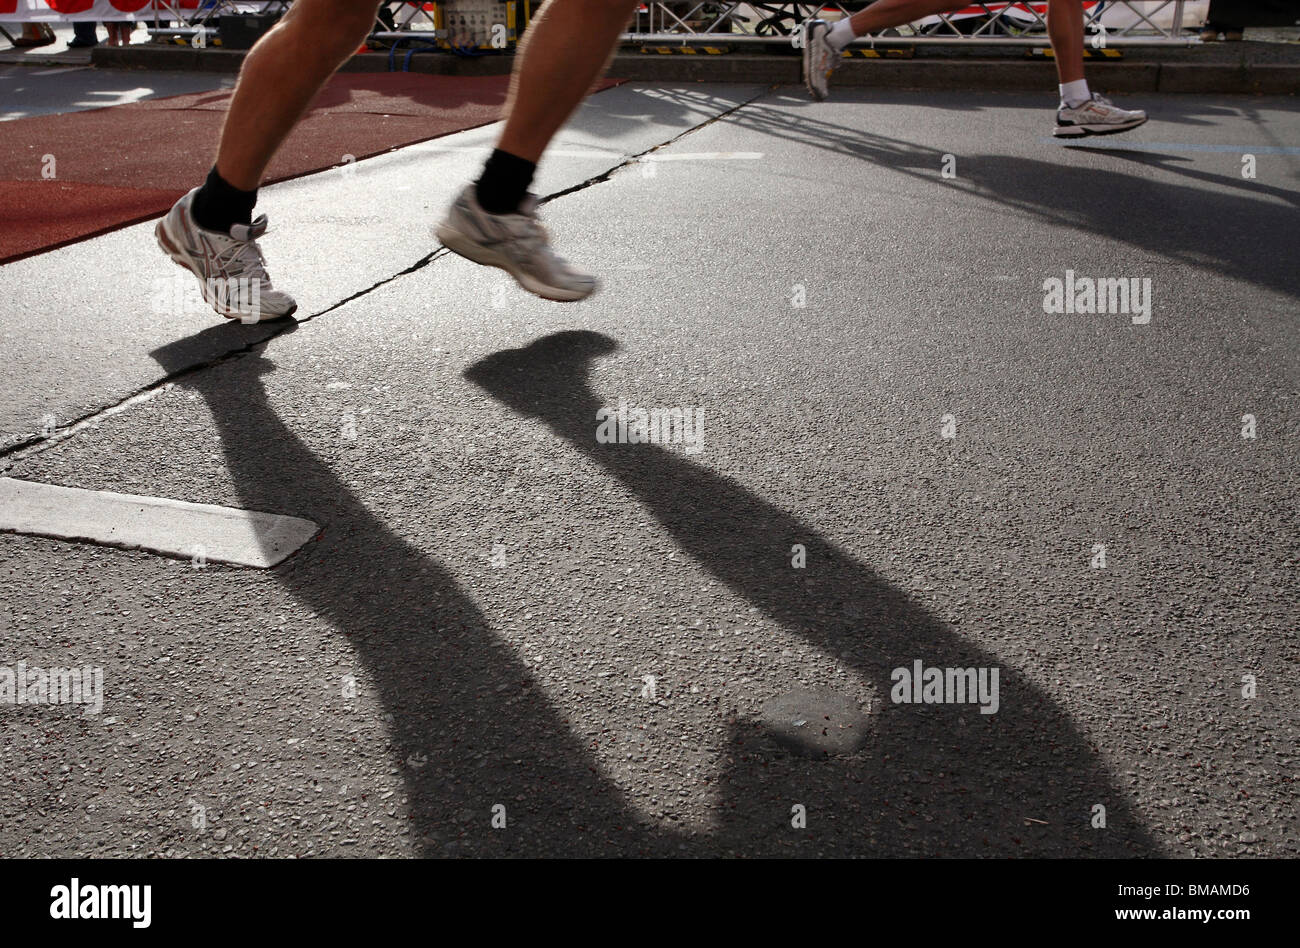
{"x":759,"y":22}
{"x":1013,"y":22}
{"x":412,"y":23}
{"x":189,"y":21}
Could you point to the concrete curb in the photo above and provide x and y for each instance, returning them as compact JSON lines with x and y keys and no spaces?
{"x":1010,"y":75}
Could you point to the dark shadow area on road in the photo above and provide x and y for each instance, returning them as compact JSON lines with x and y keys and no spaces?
{"x":1180,"y":165}
{"x":471,"y":728}
{"x":1243,"y":237}
{"x":934,"y":779}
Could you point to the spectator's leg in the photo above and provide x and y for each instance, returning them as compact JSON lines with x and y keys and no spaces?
{"x":1215,"y":24}
{"x":83,"y":34}
{"x":34,"y":34}
{"x":281,"y":75}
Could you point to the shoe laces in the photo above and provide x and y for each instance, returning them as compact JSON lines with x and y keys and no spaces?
{"x":243,"y":256}
{"x":528,"y":233}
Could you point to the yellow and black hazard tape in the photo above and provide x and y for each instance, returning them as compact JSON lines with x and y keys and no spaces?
{"x":890,"y":53}
{"x":1088,"y":53}
{"x":686,"y":50}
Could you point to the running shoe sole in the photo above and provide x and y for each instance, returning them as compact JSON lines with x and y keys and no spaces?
{"x":1080,"y":131}
{"x":807,"y":52}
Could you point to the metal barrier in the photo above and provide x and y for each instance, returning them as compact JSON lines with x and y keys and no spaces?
{"x":469,"y":27}
{"x":731,"y":22}
{"x":708,"y":22}
{"x":198,"y":23}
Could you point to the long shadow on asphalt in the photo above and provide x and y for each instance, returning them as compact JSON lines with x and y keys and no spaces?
{"x":1245,"y":235}
{"x":935,"y":779}
{"x":472,"y":728}
{"x":469,"y":726}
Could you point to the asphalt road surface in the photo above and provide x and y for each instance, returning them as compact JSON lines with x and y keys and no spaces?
{"x":27,"y":90}
{"x":512,"y":638}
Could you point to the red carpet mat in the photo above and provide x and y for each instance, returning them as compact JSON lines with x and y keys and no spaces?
{"x":128,"y":163}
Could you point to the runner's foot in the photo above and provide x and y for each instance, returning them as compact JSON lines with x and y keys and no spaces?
{"x":820,"y":58}
{"x":516,"y":243}
{"x":1097,"y":116}
{"x":230,"y":267}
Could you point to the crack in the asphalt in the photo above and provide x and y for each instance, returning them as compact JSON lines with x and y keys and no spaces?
{"x":633,"y":159}
{"x":16,"y":453}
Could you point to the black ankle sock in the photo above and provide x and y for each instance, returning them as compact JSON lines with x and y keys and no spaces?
{"x":505,"y":181}
{"x":220,"y":204}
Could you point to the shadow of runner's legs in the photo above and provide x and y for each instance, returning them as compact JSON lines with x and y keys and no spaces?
{"x":470,"y":727}
{"x":1183,"y":221}
{"x":934,"y":779}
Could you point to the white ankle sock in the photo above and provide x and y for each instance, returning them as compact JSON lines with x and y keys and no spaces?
{"x":1075,"y":93}
{"x":841,"y":35}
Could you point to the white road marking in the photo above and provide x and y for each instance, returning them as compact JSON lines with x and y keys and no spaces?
{"x":154,"y":524}
{"x":705,"y":156}
{"x":61,"y":70}
{"x":604,"y":153}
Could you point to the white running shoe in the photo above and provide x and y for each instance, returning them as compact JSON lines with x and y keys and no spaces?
{"x":1097,"y":116}
{"x":516,"y":243}
{"x":820,"y":58}
{"x":230,"y":267}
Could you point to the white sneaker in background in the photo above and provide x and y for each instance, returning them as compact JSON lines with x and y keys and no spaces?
{"x":820,"y":58}
{"x":1097,"y":116}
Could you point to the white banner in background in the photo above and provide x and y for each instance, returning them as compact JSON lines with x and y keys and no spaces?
{"x":105,"y":11}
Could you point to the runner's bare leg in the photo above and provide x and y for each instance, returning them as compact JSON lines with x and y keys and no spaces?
{"x":1064,"y":26}
{"x":1065,"y":30}
{"x":494,"y":221}
{"x":565,"y":50}
{"x":281,"y":75}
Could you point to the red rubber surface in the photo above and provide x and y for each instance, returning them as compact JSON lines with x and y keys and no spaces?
{"x":120,"y":165}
